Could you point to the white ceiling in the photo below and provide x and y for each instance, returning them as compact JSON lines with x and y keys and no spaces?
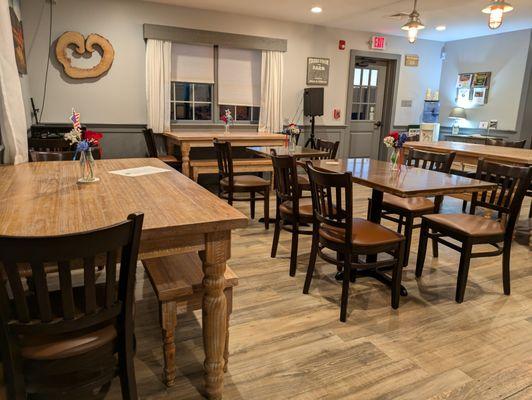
{"x":462,"y":17}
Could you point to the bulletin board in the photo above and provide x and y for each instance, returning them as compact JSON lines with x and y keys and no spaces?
{"x":473,"y":88}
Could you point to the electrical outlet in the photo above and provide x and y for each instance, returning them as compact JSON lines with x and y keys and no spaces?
{"x":483,"y":125}
{"x":493,"y":123}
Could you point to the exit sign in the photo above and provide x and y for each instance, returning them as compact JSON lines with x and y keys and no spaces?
{"x":378,"y":43}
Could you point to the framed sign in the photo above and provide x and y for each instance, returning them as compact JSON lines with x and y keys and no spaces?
{"x":318,"y":71}
{"x":411,"y":60}
{"x":377,"y":43}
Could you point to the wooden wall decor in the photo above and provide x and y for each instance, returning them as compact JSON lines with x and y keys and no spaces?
{"x":83,"y":45}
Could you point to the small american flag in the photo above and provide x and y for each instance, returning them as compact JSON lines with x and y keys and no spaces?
{"x":76,"y":121}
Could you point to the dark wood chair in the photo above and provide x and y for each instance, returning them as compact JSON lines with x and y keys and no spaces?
{"x":518,"y":144}
{"x":408,"y":209}
{"x":291,"y":212}
{"x":230,"y":183}
{"x":332,"y":150}
{"x":336,"y":230}
{"x":64,"y":343}
{"x":169,"y":159}
{"x":470,"y":229}
{"x":36,"y":156}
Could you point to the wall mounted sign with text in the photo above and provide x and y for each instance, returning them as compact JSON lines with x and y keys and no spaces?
{"x":472,"y":88}
{"x":318,"y":71}
{"x":377,"y":43}
{"x":411,"y":60}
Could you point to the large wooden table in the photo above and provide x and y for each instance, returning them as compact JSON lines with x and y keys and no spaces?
{"x":405,"y":182}
{"x":43,"y":198}
{"x":188,"y":139}
{"x":469,"y":153}
{"x":297,"y":151}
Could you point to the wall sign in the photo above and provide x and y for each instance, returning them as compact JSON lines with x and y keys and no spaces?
{"x":377,"y":43}
{"x":84,"y":45}
{"x":411,"y":60}
{"x":318,"y":71}
{"x":472,"y":89}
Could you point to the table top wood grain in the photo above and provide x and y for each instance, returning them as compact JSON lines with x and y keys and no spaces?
{"x":406,"y":182}
{"x":44,"y":198}
{"x":298,"y":151}
{"x":494,"y":153}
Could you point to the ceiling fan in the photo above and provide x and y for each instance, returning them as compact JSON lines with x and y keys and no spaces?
{"x":413,"y":25}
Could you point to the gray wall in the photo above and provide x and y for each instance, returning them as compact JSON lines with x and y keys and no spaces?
{"x":505,"y":56}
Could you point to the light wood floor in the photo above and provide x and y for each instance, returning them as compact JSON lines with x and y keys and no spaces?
{"x":286,"y":345}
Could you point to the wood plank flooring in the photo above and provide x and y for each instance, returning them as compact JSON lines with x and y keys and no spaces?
{"x":286,"y":345}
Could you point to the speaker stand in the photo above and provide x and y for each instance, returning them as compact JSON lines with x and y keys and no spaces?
{"x":312,"y":139}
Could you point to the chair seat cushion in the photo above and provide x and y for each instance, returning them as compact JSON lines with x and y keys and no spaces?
{"x":414,"y":204}
{"x":305,"y":208}
{"x":472,"y":225}
{"x":167,"y":159}
{"x":246,"y":181}
{"x":365,"y":234}
{"x":66,"y":345}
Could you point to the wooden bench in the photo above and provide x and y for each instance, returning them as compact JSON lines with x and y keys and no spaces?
{"x":199,"y":167}
{"x":177,"y":282}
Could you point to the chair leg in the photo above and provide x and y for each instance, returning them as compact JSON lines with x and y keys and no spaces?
{"x":168,"y":311}
{"x":400,"y":224}
{"x":252,"y":205}
{"x":267,"y":208}
{"x":339,"y":258}
{"x":422,"y":248}
{"x":293,"y":255}
{"x":126,"y":367}
{"x":397,"y":275}
{"x":230,"y":198}
{"x":409,"y":223}
{"x":229,"y":297}
{"x":12,"y":367}
{"x":345,"y":287}
{"x":463,"y":271}
{"x":464,"y":206}
{"x":506,"y":266}
{"x":369,"y":209}
{"x":530,"y":211}
{"x":276,"y":234}
{"x":312,"y":260}
{"x":435,"y":252}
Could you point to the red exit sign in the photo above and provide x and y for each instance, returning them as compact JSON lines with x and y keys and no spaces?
{"x":378,"y":43}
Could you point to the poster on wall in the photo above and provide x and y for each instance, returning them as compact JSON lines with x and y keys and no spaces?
{"x":479,"y":96}
{"x":464,"y":81}
{"x":18,"y":36}
{"x":318,"y":71}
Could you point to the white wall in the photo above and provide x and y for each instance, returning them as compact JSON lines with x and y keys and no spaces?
{"x":503,"y":55}
{"x":119,"y":96}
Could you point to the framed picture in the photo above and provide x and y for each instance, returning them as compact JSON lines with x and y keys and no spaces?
{"x":18,"y":36}
{"x":411,"y":60}
{"x":481,"y":79}
{"x":318,"y":71}
{"x":464,"y":81}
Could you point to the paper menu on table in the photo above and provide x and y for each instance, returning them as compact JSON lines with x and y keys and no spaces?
{"x":139,"y":171}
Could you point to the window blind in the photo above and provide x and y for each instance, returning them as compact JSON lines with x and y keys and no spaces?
{"x":192,"y":63}
{"x":239,"y":76}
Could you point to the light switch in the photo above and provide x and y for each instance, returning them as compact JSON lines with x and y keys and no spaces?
{"x":483,"y":125}
{"x":406,"y":103}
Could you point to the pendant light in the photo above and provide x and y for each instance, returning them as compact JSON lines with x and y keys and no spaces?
{"x":413,"y":24}
{"x":496,"y":9}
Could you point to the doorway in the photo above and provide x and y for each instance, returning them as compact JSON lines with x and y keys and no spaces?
{"x":370,"y":102}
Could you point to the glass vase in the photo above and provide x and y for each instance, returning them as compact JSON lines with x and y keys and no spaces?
{"x":226,"y":128}
{"x":394,"y":159}
{"x":292,"y":142}
{"x":86,"y":164}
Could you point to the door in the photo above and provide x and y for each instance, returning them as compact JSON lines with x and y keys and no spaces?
{"x":368,"y":81}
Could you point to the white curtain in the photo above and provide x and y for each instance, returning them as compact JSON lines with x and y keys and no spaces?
{"x":271,"y":102}
{"x":158,"y":72}
{"x":12,"y":113}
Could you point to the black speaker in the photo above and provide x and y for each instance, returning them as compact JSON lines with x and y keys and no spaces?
{"x":313,"y":101}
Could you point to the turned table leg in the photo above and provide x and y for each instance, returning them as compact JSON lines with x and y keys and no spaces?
{"x":214,"y":310}
{"x":185,"y":158}
{"x":168,"y":325}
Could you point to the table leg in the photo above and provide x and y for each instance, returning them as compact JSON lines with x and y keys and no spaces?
{"x":215,"y":310}
{"x":375,"y":214}
{"x":185,"y":158}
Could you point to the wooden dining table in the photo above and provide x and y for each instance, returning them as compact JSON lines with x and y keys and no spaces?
{"x":405,"y":182}
{"x":189,"y":139}
{"x":296,"y":151}
{"x":44,"y":199}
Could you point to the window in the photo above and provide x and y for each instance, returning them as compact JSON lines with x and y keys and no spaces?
{"x":191,"y":102}
{"x":242,"y":113}
{"x":364,"y":94}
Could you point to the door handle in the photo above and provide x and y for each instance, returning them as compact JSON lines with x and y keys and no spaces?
{"x":377,"y":124}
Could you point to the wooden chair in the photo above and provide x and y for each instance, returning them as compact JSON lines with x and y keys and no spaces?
{"x":471,"y":229}
{"x":231,"y":183}
{"x":331,"y":148}
{"x":291,"y":211}
{"x":177,"y":282}
{"x":336,"y":230}
{"x":36,"y":156}
{"x":408,"y":209}
{"x":62,"y":343}
{"x":169,"y":159}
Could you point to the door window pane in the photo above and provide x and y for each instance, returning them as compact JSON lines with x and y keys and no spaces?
{"x":374,"y":75}
{"x":365,"y":95}
{"x":372,"y":94}
{"x":363,"y":112}
{"x":356,"y":80}
{"x":365,"y":77}
{"x":356,"y":94}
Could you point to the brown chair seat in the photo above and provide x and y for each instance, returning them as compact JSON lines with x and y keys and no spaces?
{"x":246,"y":181}
{"x":305,"y":208}
{"x":68,"y":345}
{"x":471,"y":225}
{"x":365,"y":234}
{"x":414,"y":204}
{"x":168,"y":158}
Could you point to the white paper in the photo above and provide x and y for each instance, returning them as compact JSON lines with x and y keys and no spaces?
{"x":139,"y":171}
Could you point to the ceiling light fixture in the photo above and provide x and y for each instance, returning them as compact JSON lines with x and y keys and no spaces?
{"x":496,"y":9}
{"x":413,"y":24}
{"x":316,"y":10}
{"x":441,"y":28}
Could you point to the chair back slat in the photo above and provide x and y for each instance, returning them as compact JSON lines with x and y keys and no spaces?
{"x":225,"y":160}
{"x":507,"y":198}
{"x":285,"y":179}
{"x":330,"y":147}
{"x":428,"y":160}
{"x":149,"y":137}
{"x":518,"y":144}
{"x":46,"y":310}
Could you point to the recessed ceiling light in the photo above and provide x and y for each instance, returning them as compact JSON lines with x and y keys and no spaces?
{"x":316,"y":10}
{"x":441,"y":28}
